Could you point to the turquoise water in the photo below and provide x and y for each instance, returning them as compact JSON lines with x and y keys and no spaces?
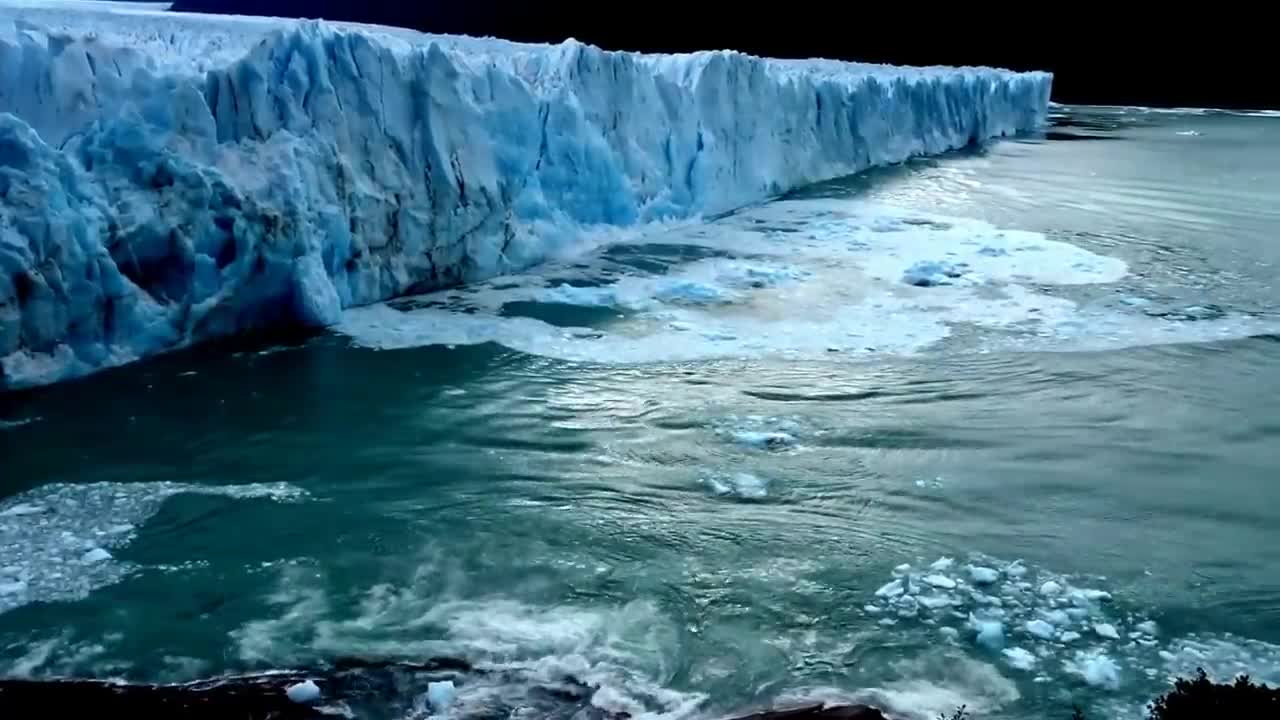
{"x":682,"y":466}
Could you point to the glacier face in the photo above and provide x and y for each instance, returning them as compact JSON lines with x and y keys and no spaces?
{"x":167,"y":178}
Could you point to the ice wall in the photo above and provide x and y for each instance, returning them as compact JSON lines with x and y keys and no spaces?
{"x":166,"y":178}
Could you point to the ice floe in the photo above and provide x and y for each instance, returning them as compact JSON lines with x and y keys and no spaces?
{"x":57,"y":542}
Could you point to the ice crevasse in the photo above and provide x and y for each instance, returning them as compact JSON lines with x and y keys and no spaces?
{"x":169,"y":178}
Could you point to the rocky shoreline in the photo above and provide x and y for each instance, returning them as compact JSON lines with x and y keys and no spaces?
{"x":350,"y":688}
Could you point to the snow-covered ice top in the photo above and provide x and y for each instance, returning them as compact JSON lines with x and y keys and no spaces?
{"x":166,"y":178}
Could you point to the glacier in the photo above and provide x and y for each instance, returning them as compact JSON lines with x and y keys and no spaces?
{"x":168,"y":178}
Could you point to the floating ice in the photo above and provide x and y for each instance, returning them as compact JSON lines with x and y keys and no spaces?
{"x":929,"y":273}
{"x":305,"y":692}
{"x":1148,"y":627}
{"x":891,"y":589}
{"x":765,"y":440}
{"x":22,"y":509}
{"x":95,"y":555}
{"x":1069,"y":636}
{"x":1106,"y":630}
{"x":902,"y":569}
{"x":1041,"y":629}
{"x":983,"y":575}
{"x":1050,"y":588}
{"x":934,"y":602}
{"x":740,"y":485}
{"x":988,"y":633}
{"x":440,"y":695}
{"x":940,"y":581}
{"x":205,"y":176}
{"x":1020,"y":659}
{"x":949,"y":633}
{"x":942,"y":564}
{"x":1096,"y":668}
{"x":1056,"y":617}
{"x":56,"y":541}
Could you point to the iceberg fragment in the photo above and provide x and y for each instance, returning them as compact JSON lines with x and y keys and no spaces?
{"x":172,"y":178}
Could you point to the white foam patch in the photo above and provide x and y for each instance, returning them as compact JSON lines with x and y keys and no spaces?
{"x":1061,"y":626}
{"x":801,"y":278}
{"x":56,"y":541}
{"x":624,"y":652}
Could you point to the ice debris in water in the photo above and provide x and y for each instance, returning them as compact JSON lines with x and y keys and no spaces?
{"x":1020,"y":659}
{"x":980,"y":575}
{"x":96,"y":555}
{"x":440,"y":695}
{"x":305,"y":692}
{"x":942,"y":564}
{"x":930,"y":273}
{"x":1106,"y":630}
{"x":57,"y":541}
{"x":1096,"y":668}
{"x":1041,"y":629}
{"x":765,"y":440}
{"x":740,"y":485}
{"x":1051,"y":627}
{"x":988,"y":633}
{"x":940,"y":581}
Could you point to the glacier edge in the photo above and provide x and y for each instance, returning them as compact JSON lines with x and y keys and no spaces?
{"x":166,"y":179}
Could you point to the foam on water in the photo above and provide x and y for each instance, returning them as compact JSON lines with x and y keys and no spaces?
{"x":803,"y":278}
{"x":624,"y":652}
{"x":56,"y":541}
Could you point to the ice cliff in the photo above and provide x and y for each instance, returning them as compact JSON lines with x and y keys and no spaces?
{"x":167,"y":178}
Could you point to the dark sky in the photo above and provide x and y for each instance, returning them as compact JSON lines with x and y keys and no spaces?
{"x":1167,"y":57}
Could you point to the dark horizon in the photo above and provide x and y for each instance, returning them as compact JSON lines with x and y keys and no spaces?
{"x":1196,"y":62}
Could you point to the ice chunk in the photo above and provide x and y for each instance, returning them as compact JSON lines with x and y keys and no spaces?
{"x":1085,"y":597}
{"x":931,"y":273}
{"x":12,"y":588}
{"x":902,"y":569}
{"x":891,"y":589}
{"x":1015,"y":569}
{"x":440,"y":695}
{"x":873,"y":609}
{"x":21,"y":509}
{"x":940,"y":581}
{"x":1020,"y":659}
{"x":1040,"y":629}
{"x":1050,"y":588}
{"x":305,"y":692}
{"x":1148,"y":627}
{"x":1056,"y":617}
{"x":933,"y":602}
{"x":983,"y":575}
{"x":1106,"y":630}
{"x":942,"y":564}
{"x":765,"y":440}
{"x":949,"y":633}
{"x":1069,"y":636}
{"x":740,"y":485}
{"x":988,"y":633}
{"x":1096,"y":668}
{"x":95,"y":555}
